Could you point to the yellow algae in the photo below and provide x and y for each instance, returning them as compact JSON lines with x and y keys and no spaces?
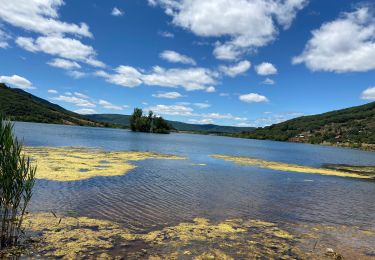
{"x":287,"y":167}
{"x":81,"y":237}
{"x":200,"y":229}
{"x":73,"y":164}
{"x":71,"y":237}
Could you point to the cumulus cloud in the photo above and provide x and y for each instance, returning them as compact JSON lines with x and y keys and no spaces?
{"x":253,"y":98}
{"x":76,"y":74}
{"x":169,"y":95}
{"x":66,"y":48}
{"x":189,"y":79}
{"x":85,"y":111}
{"x":202,"y":105}
{"x":265,"y":69}
{"x":108,"y":105}
{"x":76,"y":100}
{"x":368,"y":94}
{"x":211,"y":89}
{"x":117,"y":12}
{"x":346,"y":44}
{"x":17,"y":81}
{"x":204,"y":121}
{"x":40,"y":17}
{"x":236,"y":69}
{"x":64,"y":64}
{"x":248,"y":24}
{"x":176,"y":57}
{"x":268,"y":81}
{"x":52,"y":91}
{"x":172,"y":110}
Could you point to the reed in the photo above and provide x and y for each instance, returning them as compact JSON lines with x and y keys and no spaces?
{"x":16,"y":184}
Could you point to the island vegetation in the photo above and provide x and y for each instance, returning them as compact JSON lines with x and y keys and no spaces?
{"x":150,"y":123}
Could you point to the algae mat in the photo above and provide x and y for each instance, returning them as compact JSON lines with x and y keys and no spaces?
{"x":73,"y":163}
{"x":289,"y":167}
{"x":69,"y":237}
{"x":81,"y":237}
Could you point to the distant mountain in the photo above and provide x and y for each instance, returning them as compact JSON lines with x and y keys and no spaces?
{"x":352,"y":127}
{"x":206,"y":129}
{"x":18,"y":105}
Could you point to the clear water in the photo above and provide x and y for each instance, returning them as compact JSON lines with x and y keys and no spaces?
{"x":161,"y":192}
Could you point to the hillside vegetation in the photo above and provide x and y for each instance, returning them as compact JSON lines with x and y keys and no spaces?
{"x":352,"y":127}
{"x":18,"y":105}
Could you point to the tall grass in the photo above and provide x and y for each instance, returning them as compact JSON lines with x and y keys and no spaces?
{"x":16,"y":184}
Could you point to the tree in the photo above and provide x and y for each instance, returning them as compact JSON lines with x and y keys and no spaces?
{"x":148,"y":124}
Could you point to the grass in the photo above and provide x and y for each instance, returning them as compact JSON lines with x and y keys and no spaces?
{"x":16,"y":184}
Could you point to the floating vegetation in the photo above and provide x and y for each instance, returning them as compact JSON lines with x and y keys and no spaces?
{"x":79,"y":237}
{"x":362,"y":170}
{"x":291,"y":167}
{"x":67,"y":237}
{"x":73,"y":164}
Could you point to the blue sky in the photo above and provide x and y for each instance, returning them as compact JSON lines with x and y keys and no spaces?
{"x":228,"y":62}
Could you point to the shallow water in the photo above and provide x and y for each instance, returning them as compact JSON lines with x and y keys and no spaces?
{"x":161,"y":193}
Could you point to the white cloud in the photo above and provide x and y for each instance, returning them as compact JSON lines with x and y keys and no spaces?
{"x":4,"y":37}
{"x":248,"y":24}
{"x":166,"y":34}
{"x":210,"y":89}
{"x":344,"y":45}
{"x":64,"y":64}
{"x":265,"y":69}
{"x":81,"y":102}
{"x":268,"y":81}
{"x":204,"y":121}
{"x":169,"y":95}
{"x":39,"y":16}
{"x":222,"y":116}
{"x":117,"y":12}
{"x":85,"y":111}
{"x":253,"y":98}
{"x":107,"y":105}
{"x":80,"y":95}
{"x":53,"y":91}
{"x":176,"y":57}
{"x":76,"y":74}
{"x":173,"y":110}
{"x":202,"y":105}
{"x":17,"y":81}
{"x":236,"y":69}
{"x":189,"y":79}
{"x":66,"y":48}
{"x":368,"y":94}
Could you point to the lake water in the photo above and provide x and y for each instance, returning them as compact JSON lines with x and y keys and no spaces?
{"x":166,"y":192}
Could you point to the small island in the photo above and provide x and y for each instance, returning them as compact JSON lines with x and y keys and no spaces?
{"x":150,"y":123}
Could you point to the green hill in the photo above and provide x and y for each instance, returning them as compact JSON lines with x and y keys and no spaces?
{"x":18,"y":105}
{"x":351,"y":127}
{"x":180,"y":126}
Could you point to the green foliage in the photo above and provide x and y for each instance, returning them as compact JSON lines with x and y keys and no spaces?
{"x":16,"y":184}
{"x":19,"y":105}
{"x":352,"y":126}
{"x":148,"y":123}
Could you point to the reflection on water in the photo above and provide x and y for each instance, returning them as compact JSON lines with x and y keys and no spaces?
{"x":161,"y":193}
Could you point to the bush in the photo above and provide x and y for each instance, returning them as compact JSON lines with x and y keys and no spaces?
{"x":16,"y":184}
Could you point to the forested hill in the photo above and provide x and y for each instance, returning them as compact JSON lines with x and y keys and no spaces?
{"x":180,"y":126}
{"x":18,"y":105}
{"x":352,"y":127}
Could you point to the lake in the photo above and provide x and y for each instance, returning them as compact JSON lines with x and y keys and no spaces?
{"x":161,"y":193}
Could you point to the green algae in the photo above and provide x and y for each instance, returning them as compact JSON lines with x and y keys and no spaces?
{"x":289,"y":167}
{"x":73,"y":164}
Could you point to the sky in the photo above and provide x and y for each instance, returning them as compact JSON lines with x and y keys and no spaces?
{"x":227,"y":62}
